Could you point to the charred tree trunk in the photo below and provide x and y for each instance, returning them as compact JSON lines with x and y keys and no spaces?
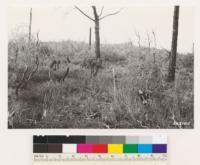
{"x":97,"y":35}
{"x":172,"y":61}
{"x":90,"y":38}
{"x":30,"y":24}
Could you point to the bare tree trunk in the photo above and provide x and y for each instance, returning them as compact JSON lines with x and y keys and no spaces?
{"x":149,"y":42}
{"x":38,"y":40}
{"x":138,"y":37}
{"x":193,"y":49}
{"x":90,"y":38}
{"x":30,"y":24}
{"x":97,"y":35}
{"x":172,"y":61}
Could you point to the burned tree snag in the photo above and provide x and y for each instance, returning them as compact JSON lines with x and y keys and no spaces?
{"x":97,"y":18}
{"x":138,"y":38}
{"x":172,"y":60}
{"x":38,"y":40}
{"x":90,"y":38}
{"x":26,"y":76}
{"x":97,"y":35}
{"x":30,"y":24}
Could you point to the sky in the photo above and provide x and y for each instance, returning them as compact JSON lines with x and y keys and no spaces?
{"x":67,"y":23}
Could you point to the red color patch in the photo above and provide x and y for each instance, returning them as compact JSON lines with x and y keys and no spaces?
{"x":99,"y":148}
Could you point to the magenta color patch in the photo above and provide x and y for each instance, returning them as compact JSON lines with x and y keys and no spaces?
{"x":84,"y":148}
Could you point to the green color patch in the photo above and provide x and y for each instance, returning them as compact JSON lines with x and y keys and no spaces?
{"x":130,"y":148}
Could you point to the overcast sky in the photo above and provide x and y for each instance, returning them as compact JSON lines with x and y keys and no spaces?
{"x":61,"y":23}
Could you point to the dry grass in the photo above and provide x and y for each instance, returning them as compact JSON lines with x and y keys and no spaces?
{"x":83,"y":101}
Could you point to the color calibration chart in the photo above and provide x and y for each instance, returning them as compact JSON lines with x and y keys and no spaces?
{"x":95,"y":150}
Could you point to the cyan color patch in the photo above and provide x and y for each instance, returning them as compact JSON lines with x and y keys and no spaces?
{"x":145,"y":148}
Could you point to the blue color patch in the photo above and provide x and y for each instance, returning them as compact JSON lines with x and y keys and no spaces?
{"x":145,"y":148}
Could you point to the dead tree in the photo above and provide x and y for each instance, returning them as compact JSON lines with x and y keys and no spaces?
{"x":38,"y":40}
{"x":27,"y":74}
{"x":96,"y":19}
{"x":149,"y":41}
{"x":149,"y":46}
{"x":172,"y":60}
{"x":90,"y":38}
{"x":93,"y":65}
{"x":154,"y":38}
{"x":137,"y":34}
{"x":155,"y":46}
{"x":30,"y":24}
{"x":193,"y":49}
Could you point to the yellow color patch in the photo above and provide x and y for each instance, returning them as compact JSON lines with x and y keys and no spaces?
{"x":115,"y":148}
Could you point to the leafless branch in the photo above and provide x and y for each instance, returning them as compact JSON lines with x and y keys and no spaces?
{"x":19,"y":84}
{"x":26,"y":78}
{"x":154,"y":36}
{"x":110,"y":14}
{"x":101,"y":11}
{"x":84,"y":13}
{"x":149,"y":40}
{"x":137,"y":34}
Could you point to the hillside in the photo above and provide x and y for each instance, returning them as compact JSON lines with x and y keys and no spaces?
{"x":108,"y":100}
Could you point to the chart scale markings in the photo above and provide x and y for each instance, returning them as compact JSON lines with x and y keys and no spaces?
{"x":99,"y":148}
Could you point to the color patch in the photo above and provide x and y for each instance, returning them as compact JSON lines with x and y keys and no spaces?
{"x":105,"y":139}
{"x":74,"y":139}
{"x":69,"y":148}
{"x":130,"y":148}
{"x":118,"y":140}
{"x":132,"y":139}
{"x":145,"y":140}
{"x":92,"y":140}
{"x":55,"y":139}
{"x":84,"y":148}
{"x":40,"y":148}
{"x":99,"y":148}
{"x":144,"y":148}
{"x":159,"y":139}
{"x":159,"y":148}
{"x":40,"y":139}
{"x":100,"y":144}
{"x":115,"y":148}
{"x":54,"y":148}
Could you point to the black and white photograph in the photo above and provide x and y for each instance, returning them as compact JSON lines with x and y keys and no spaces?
{"x":101,"y":67}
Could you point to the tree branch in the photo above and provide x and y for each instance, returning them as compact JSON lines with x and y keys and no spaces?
{"x":110,"y":14}
{"x":84,"y":13}
{"x":101,"y":11}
